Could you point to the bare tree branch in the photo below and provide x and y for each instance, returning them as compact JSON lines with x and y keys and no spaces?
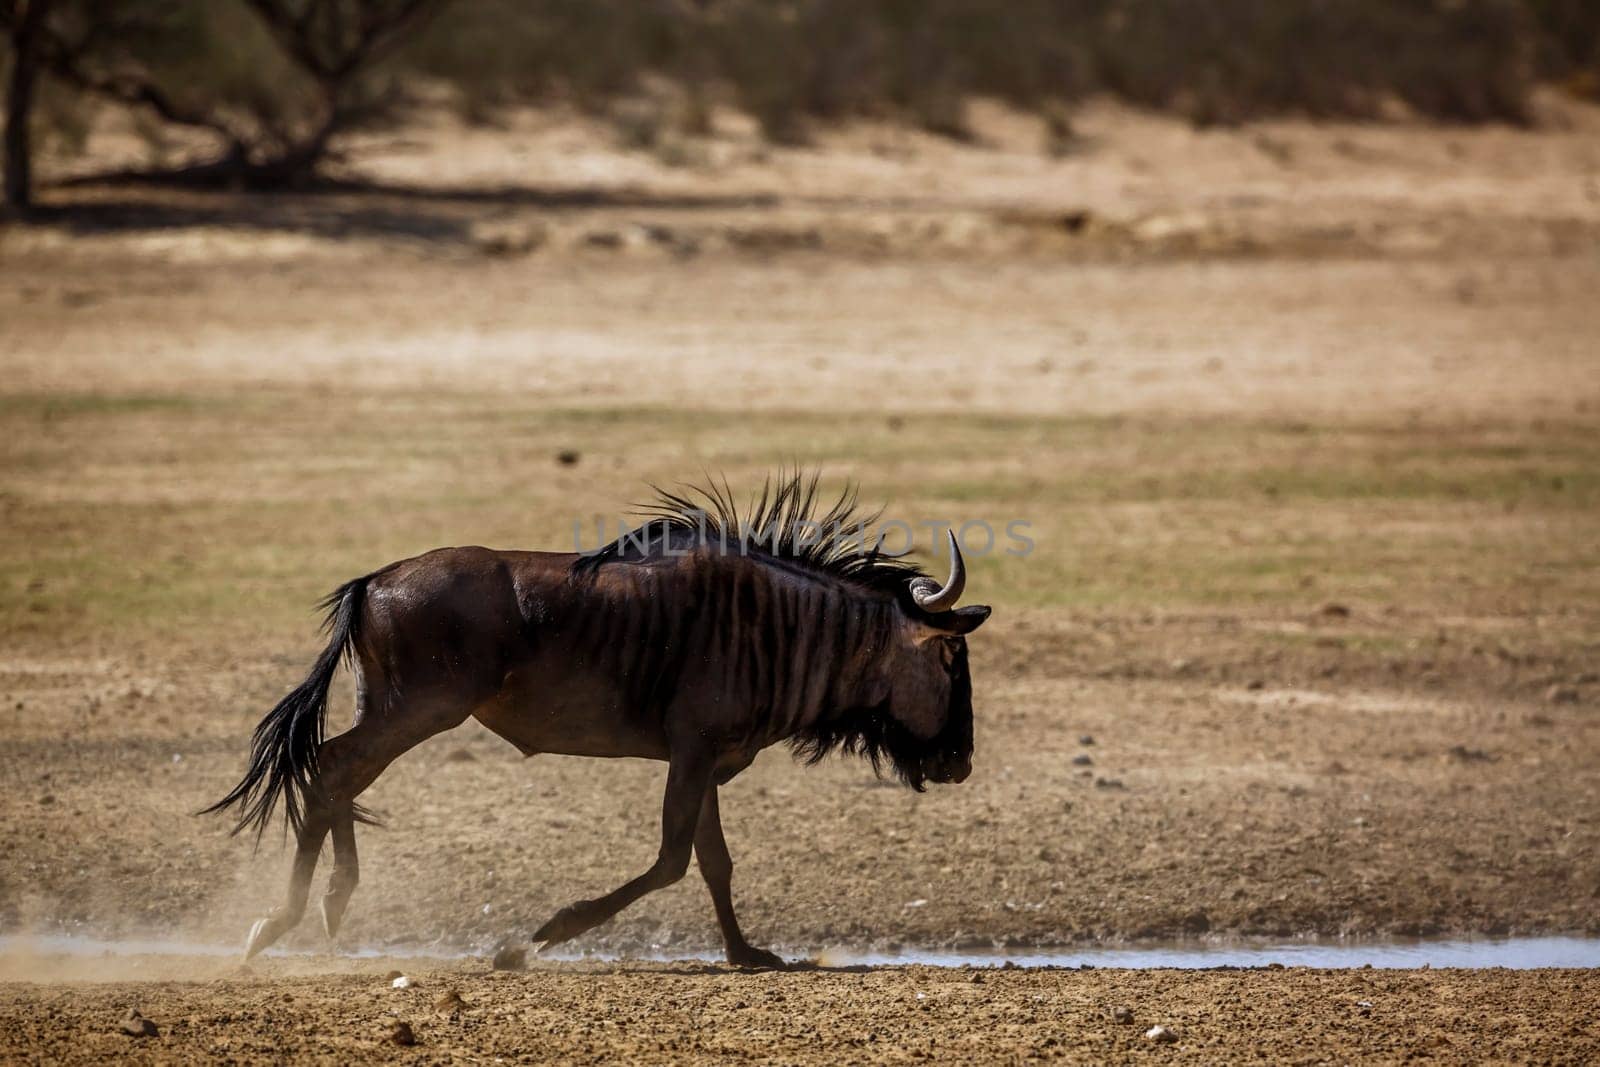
{"x":65,"y":62}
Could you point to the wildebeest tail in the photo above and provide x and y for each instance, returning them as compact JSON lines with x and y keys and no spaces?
{"x":283,"y":750}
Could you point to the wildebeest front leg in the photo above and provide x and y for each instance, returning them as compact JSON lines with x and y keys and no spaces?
{"x":716,"y":866}
{"x":688,"y":776}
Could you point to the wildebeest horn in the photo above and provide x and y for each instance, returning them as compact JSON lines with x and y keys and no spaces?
{"x":930,"y":597}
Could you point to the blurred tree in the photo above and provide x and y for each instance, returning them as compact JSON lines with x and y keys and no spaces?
{"x":22,"y":20}
{"x":272,"y":82}
{"x":271,"y":85}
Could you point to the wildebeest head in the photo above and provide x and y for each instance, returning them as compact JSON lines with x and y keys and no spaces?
{"x":930,"y":684}
{"x":922,"y":723}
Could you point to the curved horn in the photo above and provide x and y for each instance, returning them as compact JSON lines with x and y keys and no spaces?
{"x":930,"y":597}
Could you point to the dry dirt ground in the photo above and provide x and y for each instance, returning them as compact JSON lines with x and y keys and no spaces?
{"x":1302,"y":420}
{"x":676,"y":1013}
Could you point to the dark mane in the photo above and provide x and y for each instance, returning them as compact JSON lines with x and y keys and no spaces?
{"x":785,"y":522}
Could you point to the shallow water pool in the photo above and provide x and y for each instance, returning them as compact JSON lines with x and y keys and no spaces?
{"x":1512,"y":952}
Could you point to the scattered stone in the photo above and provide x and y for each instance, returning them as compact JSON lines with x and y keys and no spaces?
{"x":460,"y":755}
{"x":607,"y":239}
{"x":976,"y":978}
{"x":1255,"y":684}
{"x":449,"y":1003}
{"x":392,"y":975}
{"x":402,"y":982}
{"x":507,"y":239}
{"x":1082,"y":760}
{"x":1086,"y":739}
{"x":510,"y":958}
{"x":1161,"y":1035}
{"x":1561,"y":694}
{"x":1334,"y":611}
{"x":47,"y":800}
{"x":136,"y":1025}
{"x":401,"y":1034}
{"x":1122,"y":1016}
{"x":1470,"y":755}
{"x":1109,"y":783}
{"x":568,"y":457}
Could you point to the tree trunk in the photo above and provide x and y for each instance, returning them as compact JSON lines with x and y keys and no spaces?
{"x":19,"y":101}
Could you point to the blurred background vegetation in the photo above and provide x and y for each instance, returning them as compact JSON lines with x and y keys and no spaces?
{"x":273,"y":84}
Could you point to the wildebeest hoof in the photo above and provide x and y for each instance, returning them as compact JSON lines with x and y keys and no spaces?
{"x":565,"y":924}
{"x":759,"y":958}
{"x":263,"y":933}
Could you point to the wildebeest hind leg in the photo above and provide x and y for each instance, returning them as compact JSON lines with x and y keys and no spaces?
{"x":346,"y":869}
{"x":350,"y":763}
{"x":688,"y":778}
{"x":286,"y":916}
{"x":716,"y":866}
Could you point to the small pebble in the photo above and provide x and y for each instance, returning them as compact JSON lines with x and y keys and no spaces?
{"x":449,"y":1003}
{"x":1122,"y":1015}
{"x":1086,"y":739}
{"x":1082,"y":759}
{"x":510,"y":958}
{"x":401,"y":1034}
{"x":391,"y":976}
{"x":136,"y":1025}
{"x":1561,"y":694}
{"x":402,"y":982}
{"x":1161,"y":1035}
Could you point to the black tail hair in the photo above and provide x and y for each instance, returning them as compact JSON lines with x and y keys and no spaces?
{"x":283,"y":750}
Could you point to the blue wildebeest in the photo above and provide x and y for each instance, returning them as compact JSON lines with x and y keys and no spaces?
{"x":701,"y":641}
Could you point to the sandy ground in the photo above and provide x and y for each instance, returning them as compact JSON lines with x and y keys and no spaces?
{"x":674,"y":1014}
{"x":1302,"y":416}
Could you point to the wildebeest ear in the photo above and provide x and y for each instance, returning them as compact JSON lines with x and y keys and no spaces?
{"x":961,"y":621}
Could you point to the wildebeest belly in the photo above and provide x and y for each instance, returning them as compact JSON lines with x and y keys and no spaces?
{"x":570,"y":715}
